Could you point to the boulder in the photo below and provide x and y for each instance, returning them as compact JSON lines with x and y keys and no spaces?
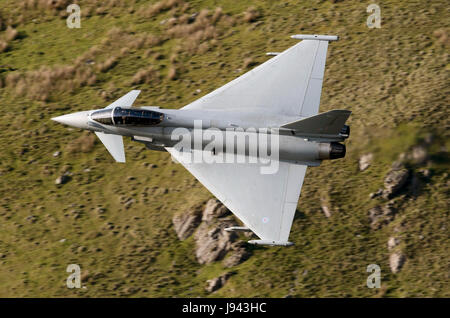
{"x":395,"y":181}
{"x":381,"y":215}
{"x":62,"y":179}
{"x":214,"y":209}
{"x":216,"y":283}
{"x":419,"y":154}
{"x":326,"y":210}
{"x":237,"y":255}
{"x":396,"y":261}
{"x":365,"y":161}
{"x":185,"y":223}
{"x":213,"y":242}
{"x":392,"y":242}
{"x":374,"y":195}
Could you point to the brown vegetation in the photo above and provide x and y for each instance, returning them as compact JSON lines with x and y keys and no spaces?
{"x":173,"y":74}
{"x":45,"y":4}
{"x":108,"y":64}
{"x":248,"y":62}
{"x":4,"y":46}
{"x":159,"y":7}
{"x":251,"y":15}
{"x":117,"y":37}
{"x":145,"y":76}
{"x":442,"y":37}
{"x":84,"y":143}
{"x":39,"y":84}
{"x":11,"y":34}
{"x":197,"y":29}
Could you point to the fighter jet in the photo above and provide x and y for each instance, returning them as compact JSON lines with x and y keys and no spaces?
{"x":278,"y":99}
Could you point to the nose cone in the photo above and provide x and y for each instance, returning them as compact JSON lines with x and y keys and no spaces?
{"x":77,"y":120}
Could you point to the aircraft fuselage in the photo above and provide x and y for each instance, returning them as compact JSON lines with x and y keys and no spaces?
{"x":254,"y":134}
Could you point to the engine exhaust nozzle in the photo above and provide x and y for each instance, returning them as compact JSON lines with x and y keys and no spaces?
{"x":333,"y":150}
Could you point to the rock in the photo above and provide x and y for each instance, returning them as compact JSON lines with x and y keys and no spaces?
{"x":62,"y":179}
{"x":395,"y":181}
{"x":192,"y":17}
{"x":373,"y":195}
{"x":425,"y":172}
{"x":216,"y":283}
{"x":213,"y":242}
{"x":239,"y":254}
{"x":397,"y":165}
{"x":100,"y":210}
{"x":129,"y":203}
{"x":365,"y":161}
{"x":396,"y":261}
{"x":380,"y":216}
{"x":392,"y":242}
{"x":419,"y":154}
{"x":31,"y":218}
{"x":214,"y":209}
{"x":326,"y":210}
{"x":186,"y":223}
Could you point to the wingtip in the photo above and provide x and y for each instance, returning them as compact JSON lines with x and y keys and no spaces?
{"x":319,"y":37}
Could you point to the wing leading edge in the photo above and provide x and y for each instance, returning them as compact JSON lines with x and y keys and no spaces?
{"x":289,"y":83}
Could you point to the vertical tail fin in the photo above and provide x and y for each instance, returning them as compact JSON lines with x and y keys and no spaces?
{"x":126,"y":100}
{"x":328,"y":123}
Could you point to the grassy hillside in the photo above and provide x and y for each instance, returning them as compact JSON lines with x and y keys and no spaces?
{"x":394,"y":79}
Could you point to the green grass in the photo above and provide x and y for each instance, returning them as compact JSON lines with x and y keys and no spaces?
{"x":394,"y":79}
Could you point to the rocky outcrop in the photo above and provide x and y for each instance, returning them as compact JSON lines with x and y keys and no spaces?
{"x":214,"y":209}
{"x":238,"y":254}
{"x":216,"y":283}
{"x":395,"y":180}
{"x":213,"y":242}
{"x":185,"y":223}
{"x":381,"y":215}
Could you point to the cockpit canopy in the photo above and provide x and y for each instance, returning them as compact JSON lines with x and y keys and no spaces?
{"x":127,"y":117}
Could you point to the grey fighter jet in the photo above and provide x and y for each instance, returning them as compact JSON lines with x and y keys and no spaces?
{"x":279,"y":98}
